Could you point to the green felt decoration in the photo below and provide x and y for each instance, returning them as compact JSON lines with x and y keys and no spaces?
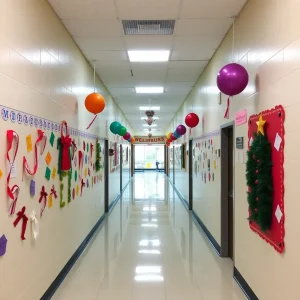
{"x":62,"y":175}
{"x":260,"y":181}
{"x":98,"y":161}
{"x":87,"y":147}
{"x":47,"y":173}
{"x":52,"y":138}
{"x":75,"y":176}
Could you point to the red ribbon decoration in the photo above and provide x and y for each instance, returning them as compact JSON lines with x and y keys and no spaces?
{"x":66,"y":143}
{"x":80,"y":162}
{"x":21,"y":215}
{"x":226,"y":115}
{"x":43,"y":196}
{"x":92,"y":149}
{"x":13,"y":192}
{"x":53,"y":192}
{"x":92,"y":122}
{"x":41,"y":137}
{"x":74,"y":149}
{"x":89,"y":172}
{"x":82,"y":185}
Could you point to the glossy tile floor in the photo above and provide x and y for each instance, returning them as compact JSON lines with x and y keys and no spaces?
{"x":150,"y":248}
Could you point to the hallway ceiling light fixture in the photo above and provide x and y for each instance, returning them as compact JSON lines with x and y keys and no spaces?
{"x":149,"y":251}
{"x":148,"y":56}
{"x":148,"y":108}
{"x":149,"y":225}
{"x":149,"y":90}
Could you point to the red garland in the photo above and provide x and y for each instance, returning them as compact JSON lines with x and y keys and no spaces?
{"x":66,"y":143}
{"x":41,"y":137}
{"x":43,"y":196}
{"x":13,"y":192}
{"x":53,"y":192}
{"x":21,"y":215}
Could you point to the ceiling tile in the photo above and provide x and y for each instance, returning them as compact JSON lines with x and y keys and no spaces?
{"x":193,"y":54}
{"x":148,"y":43}
{"x":94,"y":28}
{"x":205,"y":27}
{"x":147,"y":10}
{"x":187,"y":65}
{"x":106,"y":55}
{"x":197,"y":42}
{"x":99,"y":43}
{"x":87,"y":9}
{"x":211,"y":9}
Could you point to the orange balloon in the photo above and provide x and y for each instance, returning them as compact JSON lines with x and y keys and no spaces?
{"x":94,"y":103}
{"x":132,"y":139}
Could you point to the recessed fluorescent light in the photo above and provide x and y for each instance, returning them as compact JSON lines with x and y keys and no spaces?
{"x":149,"y":251}
{"x":154,"y":118}
{"x":153,"y":125}
{"x":148,"y":56}
{"x":149,"y":90}
{"x":150,"y":108}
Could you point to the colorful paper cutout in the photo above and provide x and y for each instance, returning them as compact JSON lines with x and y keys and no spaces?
{"x":215,"y":164}
{"x":32,"y":187}
{"x":54,"y":173}
{"x":29,"y":143}
{"x":50,"y":201}
{"x":52,"y":138}
{"x":87,"y":147}
{"x":73,"y":193}
{"x":77,"y":190}
{"x":75,"y":175}
{"x":47,"y":173}
{"x":48,"y":158}
{"x":3,"y":244}
{"x":87,"y":183}
{"x":85,"y":172}
{"x":1,"y":174}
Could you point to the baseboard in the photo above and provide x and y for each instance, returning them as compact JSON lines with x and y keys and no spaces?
{"x":209,"y":236}
{"x":66,"y":269}
{"x":244,"y":285}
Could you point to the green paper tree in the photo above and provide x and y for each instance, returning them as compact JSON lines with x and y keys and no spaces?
{"x":260,"y":181}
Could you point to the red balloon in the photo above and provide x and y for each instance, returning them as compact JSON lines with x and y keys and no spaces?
{"x":173,"y":137}
{"x":191,"y":120}
{"x":169,"y":140}
{"x":126,"y":136}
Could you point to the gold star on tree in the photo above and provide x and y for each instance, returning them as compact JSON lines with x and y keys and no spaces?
{"x":260,"y":125}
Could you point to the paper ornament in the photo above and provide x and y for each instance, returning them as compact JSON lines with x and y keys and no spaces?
{"x":77,"y":190}
{"x":32,"y":187}
{"x":48,"y":158}
{"x":34,"y":225}
{"x":21,"y":216}
{"x":1,"y":174}
{"x":53,"y":173}
{"x":73,"y":193}
{"x":29,"y":143}
{"x":47,"y":173}
{"x":50,"y":201}
{"x":52,"y":138}
{"x":3,"y":244}
{"x":43,"y":197}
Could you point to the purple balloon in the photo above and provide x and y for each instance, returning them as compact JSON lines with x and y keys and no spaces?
{"x":181,"y":129}
{"x":126,"y":136}
{"x":232,"y":79}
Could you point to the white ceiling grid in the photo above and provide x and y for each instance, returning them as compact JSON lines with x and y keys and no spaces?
{"x":96,"y":26}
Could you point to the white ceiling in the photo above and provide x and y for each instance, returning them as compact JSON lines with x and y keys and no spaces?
{"x":96,"y":26}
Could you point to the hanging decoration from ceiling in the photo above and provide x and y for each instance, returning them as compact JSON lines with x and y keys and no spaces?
{"x":115,"y":127}
{"x":265,"y":176}
{"x":132,"y":140}
{"x":149,"y":113}
{"x":94,"y":103}
{"x":126,"y":136}
{"x":232,"y":79}
{"x":122,"y":131}
{"x":191,"y":120}
{"x":149,"y":135}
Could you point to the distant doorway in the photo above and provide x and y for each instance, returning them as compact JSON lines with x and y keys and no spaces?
{"x":227,"y":190}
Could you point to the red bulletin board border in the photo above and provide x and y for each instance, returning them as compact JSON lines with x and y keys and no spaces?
{"x":274,"y":124}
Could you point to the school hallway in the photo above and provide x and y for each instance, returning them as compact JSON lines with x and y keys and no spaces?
{"x":149,"y":247}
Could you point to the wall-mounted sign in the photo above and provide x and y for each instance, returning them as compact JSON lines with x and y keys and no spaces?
{"x":152,"y":140}
{"x":241,"y":117}
{"x":239,"y":143}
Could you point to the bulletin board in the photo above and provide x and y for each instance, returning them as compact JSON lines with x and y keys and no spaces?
{"x":274,"y":127}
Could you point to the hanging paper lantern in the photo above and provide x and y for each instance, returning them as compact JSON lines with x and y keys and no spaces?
{"x":173,"y":137}
{"x":232,"y":79}
{"x":132,"y":139}
{"x":122,"y":131}
{"x":95,"y":104}
{"x":149,"y":113}
{"x":176,"y":134}
{"x":181,"y":129}
{"x":126,"y":136}
{"x":191,"y":120}
{"x":115,"y":127}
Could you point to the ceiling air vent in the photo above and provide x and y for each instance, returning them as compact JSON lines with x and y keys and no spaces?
{"x":142,"y":27}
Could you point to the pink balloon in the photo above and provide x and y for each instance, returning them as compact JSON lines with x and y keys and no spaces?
{"x":126,"y":136}
{"x":232,"y":79}
{"x":173,"y":137}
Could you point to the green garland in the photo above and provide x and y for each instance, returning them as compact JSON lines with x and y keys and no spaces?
{"x":98,"y":158}
{"x":260,"y":182}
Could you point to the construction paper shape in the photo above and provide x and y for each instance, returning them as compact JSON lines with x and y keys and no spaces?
{"x":75,"y":161}
{"x":1,"y":174}
{"x":215,"y":164}
{"x":86,"y":159}
{"x":83,"y":145}
{"x":92,"y":181}
{"x":77,"y":190}
{"x":241,"y":117}
{"x":87,"y":183}
{"x":85,"y":172}
{"x":73,"y":193}
{"x":50,"y":201}
{"x":75,"y":175}
{"x":32,"y":187}
{"x":47,"y":173}
{"x":52,"y":138}
{"x":3,"y":244}
{"x":54,"y":173}
{"x":29,"y":143}
{"x":48,"y":158}
{"x":87,"y":147}
{"x":277,"y":142}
